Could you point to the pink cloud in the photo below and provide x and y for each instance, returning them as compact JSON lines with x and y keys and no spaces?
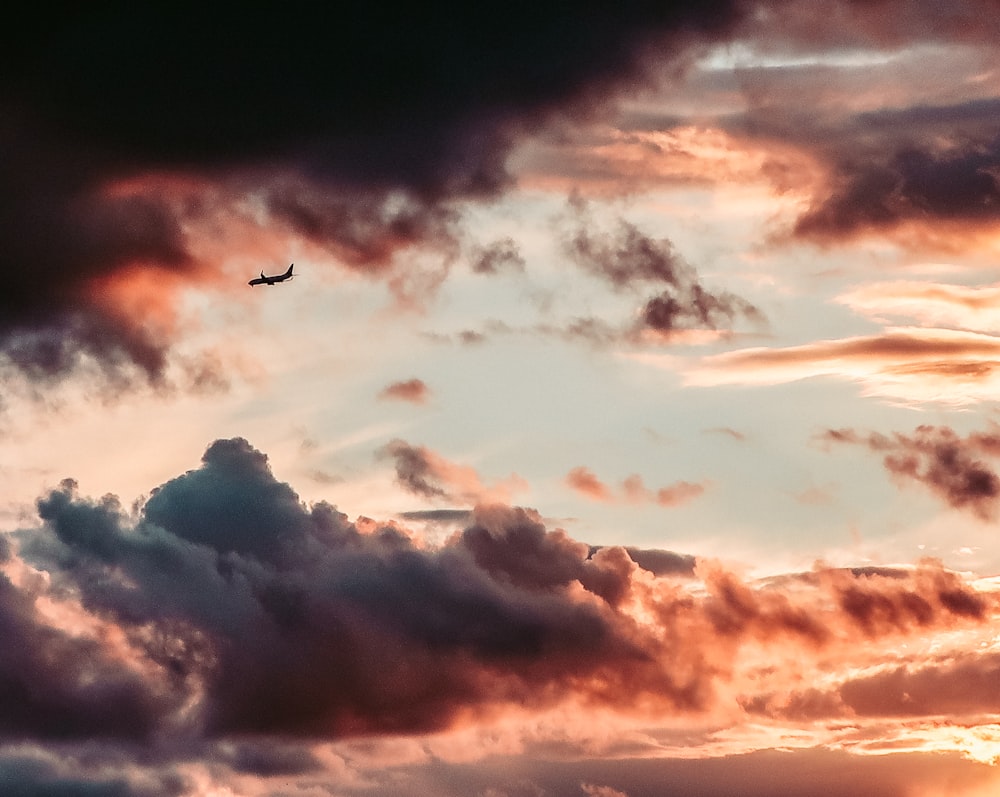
{"x":426,"y":473}
{"x":585,"y":482}
{"x":414,"y":391}
{"x":633,"y":489}
{"x":909,"y":364}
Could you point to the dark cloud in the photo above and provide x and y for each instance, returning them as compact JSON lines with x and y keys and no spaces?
{"x":33,"y":778}
{"x":628,"y":258}
{"x":950,"y":466}
{"x":912,"y":182}
{"x":226,"y":624}
{"x":925,"y":161}
{"x":59,"y":686}
{"x":501,"y":255}
{"x":416,"y":469}
{"x":242,"y":612}
{"x":280,"y":619}
{"x":424,"y":472}
{"x":439,"y":515}
{"x":353,"y":130}
{"x":91,"y":772}
{"x":267,"y":757}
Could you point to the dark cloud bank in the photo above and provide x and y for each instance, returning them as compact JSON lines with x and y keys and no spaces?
{"x":354,"y":128}
{"x":231,"y":611}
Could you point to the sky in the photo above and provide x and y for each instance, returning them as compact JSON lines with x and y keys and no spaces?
{"x":630,"y":425}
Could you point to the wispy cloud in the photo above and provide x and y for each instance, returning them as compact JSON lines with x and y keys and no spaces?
{"x":949,"y":465}
{"x":929,"y":303}
{"x":909,"y":364}
{"x":425,"y":473}
{"x":627,"y":258}
{"x":632,"y":490}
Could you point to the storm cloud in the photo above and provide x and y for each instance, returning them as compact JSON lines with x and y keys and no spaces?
{"x":127,"y":129}
{"x":242,"y":611}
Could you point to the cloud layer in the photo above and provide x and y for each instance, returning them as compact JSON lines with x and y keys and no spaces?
{"x":225,"y":608}
{"x":132,"y":132}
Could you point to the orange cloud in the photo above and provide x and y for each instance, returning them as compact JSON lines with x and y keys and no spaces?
{"x":910,"y":364}
{"x":585,"y":481}
{"x":603,"y":161}
{"x":929,"y":303}
{"x":426,"y":473}
{"x":633,"y":489}
{"x":349,"y":629}
{"x":412,"y":390}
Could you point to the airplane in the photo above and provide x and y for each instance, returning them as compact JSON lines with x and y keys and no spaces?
{"x":262,"y":280}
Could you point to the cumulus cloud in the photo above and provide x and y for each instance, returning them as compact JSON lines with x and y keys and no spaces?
{"x":224,"y":614}
{"x":949,"y":465}
{"x":277,"y":618}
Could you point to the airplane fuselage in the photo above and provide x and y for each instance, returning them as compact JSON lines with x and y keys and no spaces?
{"x":265,"y":280}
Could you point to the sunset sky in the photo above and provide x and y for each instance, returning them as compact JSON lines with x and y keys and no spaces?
{"x":630,"y":426}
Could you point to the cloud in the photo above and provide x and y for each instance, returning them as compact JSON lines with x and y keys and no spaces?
{"x":429,"y":475}
{"x":930,"y":303}
{"x":439,"y":515}
{"x":593,"y":790}
{"x":278,"y":619}
{"x":585,"y":482}
{"x":765,"y":773}
{"x":726,"y":431}
{"x":643,"y":154}
{"x":358,"y":144}
{"x":628,"y":258}
{"x":889,"y":160}
{"x":56,"y":685}
{"x":224,"y":615}
{"x":939,"y":459}
{"x":633,"y":489}
{"x":413,"y":390}
{"x":673,"y":495}
{"x":37,"y":775}
{"x":911,"y":182}
{"x":501,"y":255}
{"x":662,"y":563}
{"x":910,"y":364}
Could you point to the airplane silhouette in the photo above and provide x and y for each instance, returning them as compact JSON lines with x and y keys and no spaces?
{"x":262,"y":280}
